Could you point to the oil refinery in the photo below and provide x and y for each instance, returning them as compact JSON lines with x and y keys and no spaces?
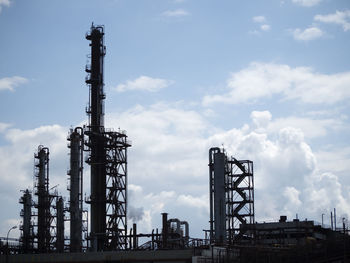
{"x":53,"y":230}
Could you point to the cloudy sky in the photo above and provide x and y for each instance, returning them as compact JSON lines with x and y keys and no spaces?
{"x":267,"y":80}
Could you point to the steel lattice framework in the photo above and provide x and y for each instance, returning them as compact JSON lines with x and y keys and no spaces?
{"x":45,"y":226}
{"x":107,"y":159}
{"x":231,"y":192}
{"x":239,"y":197}
{"x":116,"y":196}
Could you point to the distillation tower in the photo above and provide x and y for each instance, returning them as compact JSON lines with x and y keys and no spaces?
{"x":76,"y":145}
{"x":107,"y":159}
{"x":27,"y":237}
{"x":231,"y":191}
{"x":44,"y":217}
{"x":42,"y":228}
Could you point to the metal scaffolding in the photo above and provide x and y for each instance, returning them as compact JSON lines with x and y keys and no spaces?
{"x":107,"y":159}
{"x":116,"y":171}
{"x":231,"y":192}
{"x":239,"y":198}
{"x":43,"y":205}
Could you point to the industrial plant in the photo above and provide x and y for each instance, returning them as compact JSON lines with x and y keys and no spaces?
{"x":102,"y":233}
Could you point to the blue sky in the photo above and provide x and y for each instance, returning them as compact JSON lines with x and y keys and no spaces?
{"x":269,"y":80}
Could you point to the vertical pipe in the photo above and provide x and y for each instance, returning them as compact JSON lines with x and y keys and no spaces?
{"x":331,"y":221}
{"x":60,"y":225}
{"x":335,"y":221}
{"x":134,"y":236}
{"x":219,"y":198}
{"x":211,"y":190}
{"x":75,"y":205}
{"x":152,"y":246}
{"x":164,"y":230}
{"x":27,"y":213}
{"x":43,"y":235}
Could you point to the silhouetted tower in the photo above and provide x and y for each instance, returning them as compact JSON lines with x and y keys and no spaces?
{"x":59,"y":225}
{"x":26,"y":227}
{"x":217,"y":161}
{"x":43,"y":204}
{"x":108,"y":160}
{"x":95,"y":130}
{"x":231,"y":191}
{"x":76,"y":146}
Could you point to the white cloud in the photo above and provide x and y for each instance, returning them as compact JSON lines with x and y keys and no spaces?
{"x":335,"y":160}
{"x":292,"y":196}
{"x":284,"y":166}
{"x":194,"y":202}
{"x":144,"y":83}
{"x":168,"y":165}
{"x":339,"y":17}
{"x":16,"y":166}
{"x":308,"y":34}
{"x":311,"y":128}
{"x":4,"y":126}
{"x":11,"y":83}
{"x":265,"y":27}
{"x":4,"y":3}
{"x":175,"y":13}
{"x":263,"y":80}
{"x":261,"y":119}
{"x":259,"y":19}
{"x":307,"y":3}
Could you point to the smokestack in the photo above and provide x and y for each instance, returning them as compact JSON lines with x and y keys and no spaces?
{"x":164,"y":230}
{"x":134,"y":236}
{"x":331,"y":220}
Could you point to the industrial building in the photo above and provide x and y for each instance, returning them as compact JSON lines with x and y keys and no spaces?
{"x":233,"y":234}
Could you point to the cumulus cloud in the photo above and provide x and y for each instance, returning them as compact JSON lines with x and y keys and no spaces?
{"x":144,"y":83}
{"x":175,"y":13}
{"x":311,"y":127}
{"x":261,"y":119}
{"x":307,"y":3}
{"x":284,"y":162}
{"x":263,"y":80}
{"x":19,"y":148}
{"x":168,"y":165}
{"x":4,"y":3}
{"x":307,"y":34}
{"x":339,"y":18}
{"x":12,"y":82}
{"x":292,"y":202}
{"x":4,"y":126}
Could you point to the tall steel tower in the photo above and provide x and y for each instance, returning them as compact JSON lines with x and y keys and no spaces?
{"x":44,"y":200}
{"x":27,"y":238}
{"x":76,"y":145}
{"x":107,"y":160}
{"x":95,"y":131}
{"x":231,"y":191}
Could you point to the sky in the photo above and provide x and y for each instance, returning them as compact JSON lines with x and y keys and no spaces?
{"x":267,"y":80}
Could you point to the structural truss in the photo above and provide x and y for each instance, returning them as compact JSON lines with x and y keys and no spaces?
{"x":239,"y":197}
{"x":231,"y":191}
